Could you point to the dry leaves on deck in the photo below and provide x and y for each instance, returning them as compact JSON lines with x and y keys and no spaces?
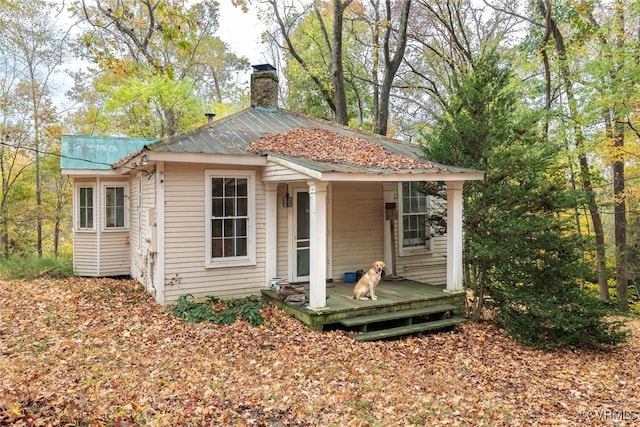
{"x":100,"y":352}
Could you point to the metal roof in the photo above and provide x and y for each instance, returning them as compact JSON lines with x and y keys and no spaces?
{"x":233,"y":134}
{"x":97,"y":152}
{"x":326,"y":167}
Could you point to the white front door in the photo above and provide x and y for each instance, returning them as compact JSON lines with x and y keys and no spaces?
{"x":301,"y":235}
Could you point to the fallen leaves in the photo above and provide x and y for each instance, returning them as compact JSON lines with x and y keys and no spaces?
{"x":325,"y":146}
{"x":101,"y":352}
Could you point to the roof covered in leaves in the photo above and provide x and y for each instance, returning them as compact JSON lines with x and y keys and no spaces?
{"x":314,"y":143}
{"x":97,"y":152}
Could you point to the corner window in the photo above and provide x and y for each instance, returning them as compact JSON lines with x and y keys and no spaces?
{"x":230,"y":218}
{"x":114,"y":207}
{"x":85,"y":215}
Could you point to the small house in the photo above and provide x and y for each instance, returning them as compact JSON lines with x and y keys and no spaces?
{"x":261,"y":194}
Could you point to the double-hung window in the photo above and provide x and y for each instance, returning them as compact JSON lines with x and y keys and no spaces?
{"x":422,"y":216}
{"x":230,"y":218}
{"x":114,"y":207}
{"x":85,"y":216}
{"x":413,"y":213}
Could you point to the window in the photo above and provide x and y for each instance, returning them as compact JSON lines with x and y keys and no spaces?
{"x":230,"y":218}
{"x":414,"y":208}
{"x":114,"y":209}
{"x":423,"y":213}
{"x":85,"y":213}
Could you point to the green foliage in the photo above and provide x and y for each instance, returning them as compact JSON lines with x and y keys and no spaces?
{"x":153,"y":106}
{"x":570,"y":318}
{"x":304,"y":95}
{"x":32,"y":267}
{"x":157,"y":67}
{"x":522,"y":248}
{"x":219,"y":311}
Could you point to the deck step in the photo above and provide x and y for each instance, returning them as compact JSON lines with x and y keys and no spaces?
{"x":394,"y":315}
{"x":406,"y":330}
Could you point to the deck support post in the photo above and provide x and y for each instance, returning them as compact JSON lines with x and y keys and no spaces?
{"x":454,"y":237}
{"x":317,"y":244}
{"x":271,"y":230}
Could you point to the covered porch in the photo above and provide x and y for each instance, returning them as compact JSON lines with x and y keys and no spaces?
{"x":325,"y":215}
{"x":335,"y":219}
{"x":402,"y":304}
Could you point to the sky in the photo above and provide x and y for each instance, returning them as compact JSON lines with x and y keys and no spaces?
{"x":241,"y":31}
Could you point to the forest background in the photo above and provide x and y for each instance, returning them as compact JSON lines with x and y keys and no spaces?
{"x":542,"y":95}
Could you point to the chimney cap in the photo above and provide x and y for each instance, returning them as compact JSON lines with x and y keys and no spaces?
{"x":263,"y":67}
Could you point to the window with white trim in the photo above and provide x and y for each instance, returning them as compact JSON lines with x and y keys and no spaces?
{"x":422,"y":213}
{"x":115,"y":217}
{"x":230,"y":218}
{"x":85,"y":215}
{"x":413,"y":214}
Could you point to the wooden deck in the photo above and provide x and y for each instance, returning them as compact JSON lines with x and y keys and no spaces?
{"x":395,"y":295}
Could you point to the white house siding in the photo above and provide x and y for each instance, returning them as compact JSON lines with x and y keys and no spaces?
{"x":85,"y":243}
{"x":85,"y":253}
{"x":358,"y":236}
{"x":185,"y":271}
{"x":134,"y":227}
{"x":282,"y":264}
{"x":428,"y":267}
{"x":143,"y":215}
{"x":283,"y":174}
{"x":114,"y":253}
{"x":99,"y":252}
{"x":358,"y":220}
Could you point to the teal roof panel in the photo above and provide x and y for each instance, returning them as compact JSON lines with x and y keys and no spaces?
{"x":97,"y":152}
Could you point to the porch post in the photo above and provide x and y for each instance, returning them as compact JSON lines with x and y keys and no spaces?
{"x":388,"y":196}
{"x":271,"y":189}
{"x":317,"y":244}
{"x":454,"y":237}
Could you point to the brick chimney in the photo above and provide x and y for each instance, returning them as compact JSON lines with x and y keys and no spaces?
{"x":264,"y":86}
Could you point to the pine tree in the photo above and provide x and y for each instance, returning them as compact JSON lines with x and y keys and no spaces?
{"x":521,"y":250}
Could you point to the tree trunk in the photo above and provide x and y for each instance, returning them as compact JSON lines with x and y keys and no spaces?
{"x":391,"y":65}
{"x":375,"y":59}
{"x":281,"y":21}
{"x":4,"y":231}
{"x":56,"y":238}
{"x":337,"y":70}
{"x":585,"y":169}
{"x":170,"y":115}
{"x":620,"y":206}
{"x":36,"y":134}
{"x":620,"y":217}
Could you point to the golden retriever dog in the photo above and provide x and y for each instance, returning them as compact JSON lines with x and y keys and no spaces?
{"x":366,"y":286}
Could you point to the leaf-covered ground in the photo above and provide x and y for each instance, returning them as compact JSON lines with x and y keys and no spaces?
{"x":100,"y":352}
